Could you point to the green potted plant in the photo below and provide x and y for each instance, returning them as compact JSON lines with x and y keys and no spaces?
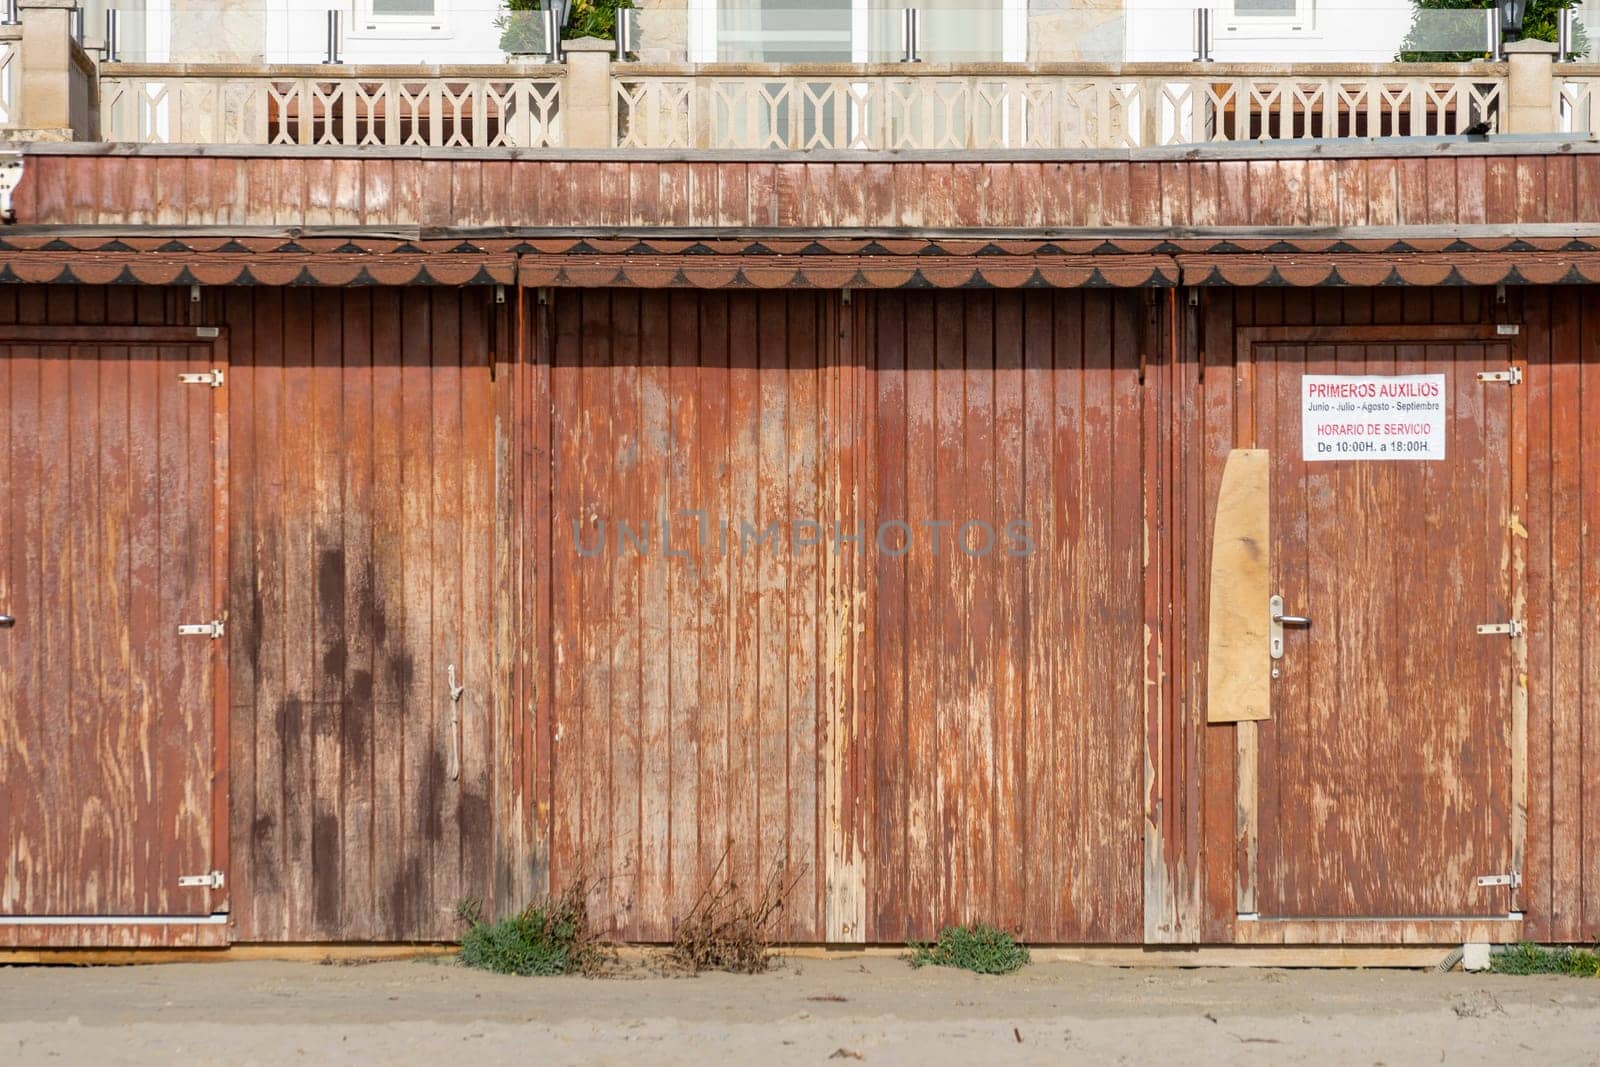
{"x":594,"y":18}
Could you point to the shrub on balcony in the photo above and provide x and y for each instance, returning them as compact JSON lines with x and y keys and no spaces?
{"x":521,"y":24}
{"x":1538,"y":24}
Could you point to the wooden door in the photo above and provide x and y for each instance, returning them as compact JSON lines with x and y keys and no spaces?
{"x":112,"y":534}
{"x":1385,"y":779}
{"x":692,"y":635}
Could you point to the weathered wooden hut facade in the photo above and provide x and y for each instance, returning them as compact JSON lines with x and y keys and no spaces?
{"x":468,"y":500}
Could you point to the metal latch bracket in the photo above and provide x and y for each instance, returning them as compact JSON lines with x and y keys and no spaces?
{"x":212,"y":629}
{"x":1514,"y":880}
{"x":1513,"y":628}
{"x":212,"y":880}
{"x":1510,"y":377}
{"x":212,"y":378}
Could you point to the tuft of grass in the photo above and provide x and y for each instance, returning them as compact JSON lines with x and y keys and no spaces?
{"x":548,"y":937}
{"x":727,"y":930}
{"x":1536,"y":959}
{"x":976,"y":947}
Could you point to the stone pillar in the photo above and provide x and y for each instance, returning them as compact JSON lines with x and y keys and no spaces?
{"x":586,"y":96}
{"x":46,"y":69}
{"x":1531,"y":90}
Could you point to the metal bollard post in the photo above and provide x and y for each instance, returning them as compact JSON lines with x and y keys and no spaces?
{"x":12,"y":17}
{"x":113,"y":35}
{"x":910,"y":30}
{"x":625,"y":32}
{"x":552,"y":34}
{"x":333,"y":38}
{"x":1202,"y":35}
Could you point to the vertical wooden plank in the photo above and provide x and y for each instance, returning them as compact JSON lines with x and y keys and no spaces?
{"x":925,"y":843}
{"x":1041,"y":610}
{"x":700,"y":205}
{"x":1012,"y":699}
{"x":1214,"y":433}
{"x":979,"y":567}
{"x":567,"y":702}
{"x":745,"y":506}
{"x":85,"y":846}
{"x":654,"y":504}
{"x":326,"y":576}
{"x":1587,"y":431}
{"x":733,"y":195}
{"x":477,"y":765}
{"x":594,"y":660}
{"x":244,"y":623}
{"x":345,"y":207}
{"x":1078,"y":356}
{"x":357,"y":711}
{"x":761,"y":187}
{"x":393,"y":843}
{"x":643,"y":193}
{"x":1471,"y":191}
{"x":415,"y":657}
{"x":951,"y":698}
{"x":445,"y":553}
{"x":268,"y":915}
{"x":803,"y":852}
{"x":693,"y":713}
{"x":300,"y":665}
{"x":885,"y":363}
{"x":716,"y":622}
{"x":525,"y":818}
{"x":821,"y":208}
{"x":774,"y":633}
{"x":1554,"y":322}
{"x":629,"y":505}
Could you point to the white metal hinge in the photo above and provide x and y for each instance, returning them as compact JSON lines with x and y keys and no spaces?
{"x":212,"y":629}
{"x":1507,"y":329}
{"x":212,"y":880}
{"x":1510,"y":377}
{"x":208,"y":331}
{"x":1510,"y":629}
{"x":1514,"y":879}
{"x":212,"y":378}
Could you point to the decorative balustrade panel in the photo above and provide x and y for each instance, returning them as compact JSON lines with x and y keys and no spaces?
{"x":1578,"y":102}
{"x":426,"y":110}
{"x":759,"y":108}
{"x":1123,"y":108}
{"x":10,"y":76}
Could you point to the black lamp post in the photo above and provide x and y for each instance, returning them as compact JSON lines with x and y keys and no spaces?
{"x":1512,"y":13}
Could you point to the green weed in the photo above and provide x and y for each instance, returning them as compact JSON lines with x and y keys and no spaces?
{"x":1536,"y":959}
{"x":977,"y":947}
{"x":547,"y":937}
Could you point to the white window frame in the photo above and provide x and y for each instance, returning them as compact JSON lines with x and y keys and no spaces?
{"x":1301,"y":23}
{"x":1013,"y":30}
{"x":369,"y":25}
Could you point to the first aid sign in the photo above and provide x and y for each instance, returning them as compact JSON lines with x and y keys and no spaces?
{"x":1358,"y":416}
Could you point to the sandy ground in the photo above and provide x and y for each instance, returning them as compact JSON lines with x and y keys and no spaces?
{"x":806,"y":1011}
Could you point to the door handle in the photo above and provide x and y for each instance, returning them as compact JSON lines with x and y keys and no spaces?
{"x":1277,"y":620}
{"x":7,"y":622}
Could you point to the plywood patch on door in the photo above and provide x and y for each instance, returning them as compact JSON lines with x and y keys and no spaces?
{"x":1238,"y":686}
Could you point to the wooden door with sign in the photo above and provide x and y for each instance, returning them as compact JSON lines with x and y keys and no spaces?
{"x":1388,"y":776}
{"x":112,"y":535}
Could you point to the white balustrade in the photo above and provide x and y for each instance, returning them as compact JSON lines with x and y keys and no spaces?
{"x":199,"y":105}
{"x":1112,"y":107}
